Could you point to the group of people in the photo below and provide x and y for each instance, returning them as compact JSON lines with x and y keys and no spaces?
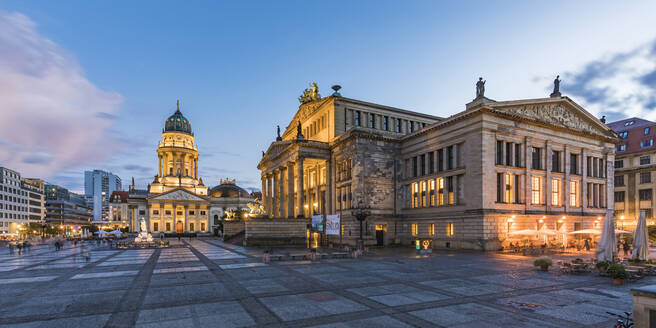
{"x":24,"y":246}
{"x":625,"y":246}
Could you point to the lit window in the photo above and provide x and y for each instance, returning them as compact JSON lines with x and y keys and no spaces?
{"x":431,"y":192}
{"x":646,"y":131}
{"x":414,"y":229}
{"x":415,"y":194}
{"x":536,"y":190}
{"x":624,"y":134}
{"x":629,"y":123}
{"x":621,"y":147}
{"x":647,"y":143}
{"x":449,"y":229}
{"x":574,"y":193}
{"x":423,"y":194}
{"x":440,"y":191}
{"x":555,"y":192}
{"x":431,"y":229}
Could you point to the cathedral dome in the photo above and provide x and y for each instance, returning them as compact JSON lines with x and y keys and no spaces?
{"x":228,"y":189}
{"x":177,"y":123}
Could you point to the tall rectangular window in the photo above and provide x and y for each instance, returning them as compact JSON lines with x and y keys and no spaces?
{"x":574,"y":164}
{"x":535,"y":159}
{"x":449,"y":229}
{"x":451,"y":161}
{"x":555,"y":161}
{"x":589,"y":166}
{"x":536,"y":191}
{"x":398,"y":125}
{"x":619,"y":164}
{"x":422,"y":164}
{"x":155,"y":226}
{"x":357,"y":118}
{"x":574,"y":193}
{"x":415,"y":194}
{"x":385,"y":123}
{"x":450,"y":188}
{"x":509,"y":153}
{"x":431,"y":229}
{"x":440,"y":191}
{"x":619,"y":196}
{"x":422,"y":201}
{"x":499,"y":152}
{"x":518,"y":155}
{"x":414,"y":166}
{"x":431,"y":163}
{"x":431,"y":192}
{"x":619,"y":181}
{"x":440,"y":160}
{"x":372,"y":120}
{"x":508,"y":188}
{"x":415,"y":229}
{"x":555,"y":192}
{"x":518,"y":198}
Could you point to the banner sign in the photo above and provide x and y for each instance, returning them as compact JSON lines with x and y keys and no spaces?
{"x":333,"y":224}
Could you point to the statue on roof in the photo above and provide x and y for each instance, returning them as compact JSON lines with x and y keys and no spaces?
{"x":278,"y":138}
{"x":310,"y":94}
{"x":556,"y":89}
{"x":299,"y":131}
{"x":480,"y":88}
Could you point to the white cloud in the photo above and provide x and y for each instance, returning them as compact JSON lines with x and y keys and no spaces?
{"x":622,"y":85}
{"x":53,"y":118}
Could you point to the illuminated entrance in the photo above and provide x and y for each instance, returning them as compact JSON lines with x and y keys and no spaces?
{"x":179,"y":227}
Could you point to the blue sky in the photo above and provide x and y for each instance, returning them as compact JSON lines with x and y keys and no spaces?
{"x":88,"y":84}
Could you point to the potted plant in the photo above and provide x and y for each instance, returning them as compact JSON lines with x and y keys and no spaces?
{"x":603,"y":265}
{"x":543,"y":262}
{"x":617,"y":272}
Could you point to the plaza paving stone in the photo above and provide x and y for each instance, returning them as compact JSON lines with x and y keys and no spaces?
{"x":207,"y":283}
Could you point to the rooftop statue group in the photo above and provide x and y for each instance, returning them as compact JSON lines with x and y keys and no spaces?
{"x":480,"y":88}
{"x":310,"y":94}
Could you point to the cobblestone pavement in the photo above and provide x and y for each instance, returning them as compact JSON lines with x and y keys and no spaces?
{"x":206,"y":283}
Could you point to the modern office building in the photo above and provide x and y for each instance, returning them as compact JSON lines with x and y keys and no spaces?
{"x":635,"y":170}
{"x":65,"y":208}
{"x":98,"y":186}
{"x":495,"y":172}
{"x":21,"y":201}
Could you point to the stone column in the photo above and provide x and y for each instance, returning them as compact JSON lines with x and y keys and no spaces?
{"x":264,"y":191}
{"x":281,"y":193}
{"x":159,"y":158}
{"x":186,"y":217}
{"x":269,"y":196}
{"x":584,"y":180}
{"x":318,"y":199}
{"x":290,"y":190}
{"x":329,"y":187}
{"x":548,"y":185}
{"x":529,"y":173}
{"x":301,"y":201}
{"x":276,"y":194}
{"x":566,"y":179}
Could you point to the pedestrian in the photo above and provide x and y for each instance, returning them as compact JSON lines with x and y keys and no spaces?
{"x":11,"y":248}
{"x":20,"y":248}
{"x":626,"y":248}
{"x":265,"y":257}
{"x":587,"y":245}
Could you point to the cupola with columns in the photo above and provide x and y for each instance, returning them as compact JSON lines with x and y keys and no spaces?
{"x":177,"y":158}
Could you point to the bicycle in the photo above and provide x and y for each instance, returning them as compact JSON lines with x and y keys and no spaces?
{"x":623,"y":320}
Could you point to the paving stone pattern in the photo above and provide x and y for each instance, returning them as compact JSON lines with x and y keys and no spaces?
{"x":206,"y":283}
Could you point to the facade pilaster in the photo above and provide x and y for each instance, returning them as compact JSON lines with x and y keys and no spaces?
{"x":301,"y":201}
{"x":290,"y":190}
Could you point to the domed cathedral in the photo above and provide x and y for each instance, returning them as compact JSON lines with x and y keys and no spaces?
{"x":177,"y":201}
{"x":177,"y":158}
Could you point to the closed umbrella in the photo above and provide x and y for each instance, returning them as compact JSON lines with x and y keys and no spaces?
{"x":640,"y":239}
{"x":563,"y":231}
{"x":607,"y":250}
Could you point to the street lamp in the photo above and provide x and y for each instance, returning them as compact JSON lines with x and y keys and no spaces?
{"x":360,"y":213}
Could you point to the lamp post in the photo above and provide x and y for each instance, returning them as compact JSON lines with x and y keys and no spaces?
{"x":360,"y":213}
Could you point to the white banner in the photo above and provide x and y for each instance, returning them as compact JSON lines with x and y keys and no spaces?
{"x":317,"y":220}
{"x":333,"y":224}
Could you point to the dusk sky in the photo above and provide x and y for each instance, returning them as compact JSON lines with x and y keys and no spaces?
{"x":88,"y":84}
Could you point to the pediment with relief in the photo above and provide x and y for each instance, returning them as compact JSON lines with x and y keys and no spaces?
{"x":179,"y":195}
{"x":557,"y":114}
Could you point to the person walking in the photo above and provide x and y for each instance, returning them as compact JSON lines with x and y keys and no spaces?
{"x":627,"y":247}
{"x":587,"y":245}
{"x":20,"y":248}
{"x":11,"y":248}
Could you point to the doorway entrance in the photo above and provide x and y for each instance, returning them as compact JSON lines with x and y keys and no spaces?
{"x":179,"y":227}
{"x":380,"y":234}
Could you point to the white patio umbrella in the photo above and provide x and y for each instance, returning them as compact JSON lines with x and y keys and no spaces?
{"x":607,"y":248}
{"x":82,"y":236}
{"x":641,"y":239}
{"x":563,"y":231}
{"x":524,"y":232}
{"x":586,"y":231}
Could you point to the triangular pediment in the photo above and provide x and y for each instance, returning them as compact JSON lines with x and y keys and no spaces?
{"x":178,"y":194}
{"x":563,"y":113}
